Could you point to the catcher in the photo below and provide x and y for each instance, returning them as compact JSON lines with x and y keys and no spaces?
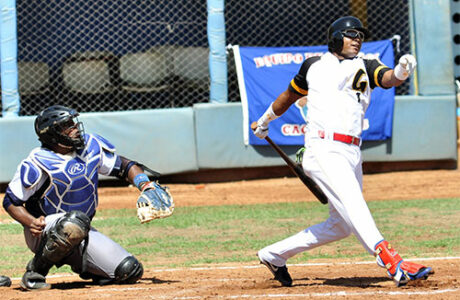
{"x":53,"y":194}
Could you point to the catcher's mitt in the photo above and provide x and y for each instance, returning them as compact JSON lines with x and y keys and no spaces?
{"x":154,"y":202}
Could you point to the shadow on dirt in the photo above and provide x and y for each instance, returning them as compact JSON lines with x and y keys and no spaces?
{"x":361,"y":282}
{"x":160,"y":281}
{"x":86,"y":284}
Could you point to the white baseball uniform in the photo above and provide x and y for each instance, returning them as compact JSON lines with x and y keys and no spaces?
{"x":338,"y":96}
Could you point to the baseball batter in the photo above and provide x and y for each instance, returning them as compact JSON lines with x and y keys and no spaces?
{"x":53,"y":194}
{"x":338,"y":85}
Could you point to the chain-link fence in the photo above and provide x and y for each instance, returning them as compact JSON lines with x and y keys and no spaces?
{"x":127,"y":55}
{"x":301,"y":23}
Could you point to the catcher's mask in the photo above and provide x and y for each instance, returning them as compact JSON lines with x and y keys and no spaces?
{"x":52,"y":124}
{"x":338,"y":29}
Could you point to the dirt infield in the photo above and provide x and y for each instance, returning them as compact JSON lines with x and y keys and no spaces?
{"x":320,"y":280}
{"x":315,"y":279}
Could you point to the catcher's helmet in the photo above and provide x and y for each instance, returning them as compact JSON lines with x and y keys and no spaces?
{"x":335,"y":32}
{"x":52,"y":121}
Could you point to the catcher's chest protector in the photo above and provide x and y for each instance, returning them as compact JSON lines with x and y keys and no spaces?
{"x":73,"y":180}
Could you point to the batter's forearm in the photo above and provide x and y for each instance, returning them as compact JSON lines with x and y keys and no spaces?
{"x":389,"y":79}
{"x":284,"y":101}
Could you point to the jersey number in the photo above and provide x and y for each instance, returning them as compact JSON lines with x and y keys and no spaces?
{"x":358,"y":83}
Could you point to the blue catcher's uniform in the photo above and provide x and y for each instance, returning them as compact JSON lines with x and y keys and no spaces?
{"x":51,"y":184}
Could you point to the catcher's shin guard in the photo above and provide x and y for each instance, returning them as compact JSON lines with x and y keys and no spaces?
{"x":399,"y":270}
{"x":66,"y":235}
{"x":35,"y":276}
{"x":36,"y":270}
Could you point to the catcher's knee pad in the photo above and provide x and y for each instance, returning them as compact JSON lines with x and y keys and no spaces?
{"x":129,"y":270}
{"x":67,"y":234}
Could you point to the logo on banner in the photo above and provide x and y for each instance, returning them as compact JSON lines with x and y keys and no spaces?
{"x":297,"y":129}
{"x":277,"y":59}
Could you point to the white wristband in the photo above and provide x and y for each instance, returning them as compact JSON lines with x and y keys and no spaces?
{"x":400,"y":72}
{"x":267,"y":117}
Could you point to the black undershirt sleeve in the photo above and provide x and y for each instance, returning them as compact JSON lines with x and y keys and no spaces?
{"x":375,"y":70}
{"x":299,"y":84}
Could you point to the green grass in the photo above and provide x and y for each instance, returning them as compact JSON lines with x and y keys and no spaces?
{"x":219,"y":234}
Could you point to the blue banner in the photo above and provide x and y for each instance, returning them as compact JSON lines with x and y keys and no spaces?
{"x":265,"y":72}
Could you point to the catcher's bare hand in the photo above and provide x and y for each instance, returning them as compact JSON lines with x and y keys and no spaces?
{"x":154,"y":202}
{"x":37,"y":226}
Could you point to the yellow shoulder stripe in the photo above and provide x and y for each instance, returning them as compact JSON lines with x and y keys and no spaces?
{"x":301,"y":91}
{"x":376,"y":73}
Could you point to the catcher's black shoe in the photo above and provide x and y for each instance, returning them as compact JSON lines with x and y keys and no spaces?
{"x":281,"y":273}
{"x":33,"y":281}
{"x":5,"y":281}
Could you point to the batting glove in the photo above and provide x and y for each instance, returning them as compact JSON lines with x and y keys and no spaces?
{"x":405,"y":67}
{"x":261,"y":131}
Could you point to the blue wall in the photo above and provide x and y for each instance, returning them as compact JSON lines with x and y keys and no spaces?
{"x":210,"y":136}
{"x":162,"y":139}
{"x":432,"y":43}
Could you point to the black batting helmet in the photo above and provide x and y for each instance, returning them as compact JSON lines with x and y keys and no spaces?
{"x":52,"y":121}
{"x":335,"y":35}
